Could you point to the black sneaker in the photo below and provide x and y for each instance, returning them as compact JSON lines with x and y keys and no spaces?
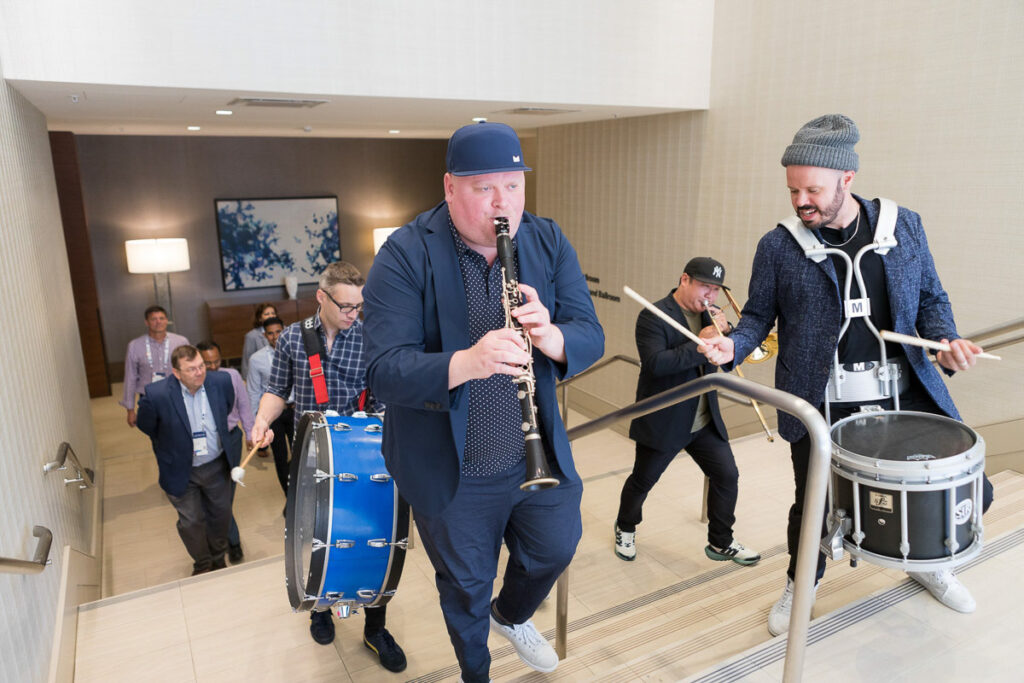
{"x":321,"y":627}
{"x":235,"y":554}
{"x":391,"y":656}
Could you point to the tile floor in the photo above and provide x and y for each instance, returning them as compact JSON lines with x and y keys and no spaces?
{"x":670,"y":614}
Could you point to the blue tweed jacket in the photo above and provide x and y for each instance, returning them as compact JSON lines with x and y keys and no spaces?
{"x":805,"y":297}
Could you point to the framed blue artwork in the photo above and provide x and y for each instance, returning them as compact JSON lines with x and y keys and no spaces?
{"x":263,"y":240}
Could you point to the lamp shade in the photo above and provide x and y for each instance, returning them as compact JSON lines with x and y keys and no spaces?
{"x":380,"y":236}
{"x":157,"y":255}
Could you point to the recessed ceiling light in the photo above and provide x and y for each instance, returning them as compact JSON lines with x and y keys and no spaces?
{"x":224,"y":112}
{"x":394,"y":131}
{"x":479,"y":119}
{"x":193,"y":127}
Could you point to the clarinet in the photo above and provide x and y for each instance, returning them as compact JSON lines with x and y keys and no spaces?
{"x":538,"y":476}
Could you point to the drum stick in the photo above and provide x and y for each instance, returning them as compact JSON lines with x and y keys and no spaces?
{"x":927,"y":343}
{"x":664,"y":316}
{"x":238,"y":473}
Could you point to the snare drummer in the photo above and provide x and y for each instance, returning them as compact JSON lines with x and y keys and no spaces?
{"x":839,"y":372}
{"x":337,"y":324}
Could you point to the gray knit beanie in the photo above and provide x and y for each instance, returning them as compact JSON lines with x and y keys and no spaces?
{"x":827,"y":142}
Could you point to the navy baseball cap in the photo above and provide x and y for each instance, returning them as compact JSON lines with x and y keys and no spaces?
{"x":484,"y":147}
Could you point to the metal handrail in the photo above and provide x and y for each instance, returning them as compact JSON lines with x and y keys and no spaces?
{"x":604,"y":362}
{"x":85,"y":476}
{"x":38,"y":563}
{"x":810,"y":529}
{"x":996,"y":330}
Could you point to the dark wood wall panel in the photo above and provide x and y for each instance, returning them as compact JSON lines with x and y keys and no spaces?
{"x":83,"y":277}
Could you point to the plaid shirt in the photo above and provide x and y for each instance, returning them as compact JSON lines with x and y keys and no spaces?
{"x":344,"y":370}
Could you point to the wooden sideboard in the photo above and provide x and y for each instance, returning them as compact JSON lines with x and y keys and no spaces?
{"x":229,"y":321}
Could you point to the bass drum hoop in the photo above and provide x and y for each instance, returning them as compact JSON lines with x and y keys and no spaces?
{"x":304,"y":591}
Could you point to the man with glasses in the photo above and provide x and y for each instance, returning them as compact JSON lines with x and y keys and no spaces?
{"x":186,"y":417}
{"x":337,"y":324}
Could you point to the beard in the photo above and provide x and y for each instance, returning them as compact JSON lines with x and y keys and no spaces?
{"x":829,"y":213}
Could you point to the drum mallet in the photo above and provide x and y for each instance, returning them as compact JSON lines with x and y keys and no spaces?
{"x":927,"y":343}
{"x":238,"y":473}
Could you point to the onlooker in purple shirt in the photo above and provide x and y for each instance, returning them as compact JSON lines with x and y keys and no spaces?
{"x":148,"y":358}
{"x":240,"y":414}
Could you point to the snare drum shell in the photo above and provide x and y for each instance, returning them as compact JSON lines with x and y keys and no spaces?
{"x":881,"y":511}
{"x":924,"y":455}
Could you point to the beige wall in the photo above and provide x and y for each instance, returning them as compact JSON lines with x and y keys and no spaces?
{"x":43,"y":399}
{"x":937,"y":90}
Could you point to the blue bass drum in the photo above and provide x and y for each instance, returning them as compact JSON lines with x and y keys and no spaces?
{"x":346,"y":526}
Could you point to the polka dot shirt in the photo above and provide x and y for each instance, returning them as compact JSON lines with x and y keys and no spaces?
{"x":494,"y":435}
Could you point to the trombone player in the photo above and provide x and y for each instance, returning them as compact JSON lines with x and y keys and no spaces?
{"x":668,"y":359}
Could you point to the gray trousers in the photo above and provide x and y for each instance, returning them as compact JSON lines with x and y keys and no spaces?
{"x":204,"y":513}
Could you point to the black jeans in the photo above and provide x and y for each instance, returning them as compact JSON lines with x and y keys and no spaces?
{"x":714,"y":457}
{"x":282,"y":428}
{"x":914,"y":398}
{"x":204,"y":512}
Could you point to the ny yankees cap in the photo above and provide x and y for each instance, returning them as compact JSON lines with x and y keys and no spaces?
{"x":484,"y":147}
{"x":707,"y":270}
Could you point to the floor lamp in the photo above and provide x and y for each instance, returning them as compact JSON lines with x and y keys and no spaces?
{"x":159,"y":257}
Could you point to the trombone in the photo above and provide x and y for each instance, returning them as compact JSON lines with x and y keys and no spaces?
{"x":768,"y":348}
{"x":754,"y":404}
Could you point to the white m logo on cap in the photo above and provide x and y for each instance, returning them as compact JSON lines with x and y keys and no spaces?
{"x":515,"y":159}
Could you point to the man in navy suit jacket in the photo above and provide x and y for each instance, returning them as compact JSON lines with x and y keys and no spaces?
{"x":806,"y":296}
{"x":668,"y":359}
{"x":441,"y":357}
{"x":186,"y":418}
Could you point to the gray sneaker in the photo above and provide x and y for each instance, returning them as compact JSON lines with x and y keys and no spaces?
{"x":735,"y":552}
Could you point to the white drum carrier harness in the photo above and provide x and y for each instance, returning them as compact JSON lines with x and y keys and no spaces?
{"x":885,"y":380}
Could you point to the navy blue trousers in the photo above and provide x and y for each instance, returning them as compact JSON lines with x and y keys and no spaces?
{"x":541,"y":530}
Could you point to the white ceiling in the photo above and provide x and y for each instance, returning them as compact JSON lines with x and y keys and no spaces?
{"x":125,"y":110}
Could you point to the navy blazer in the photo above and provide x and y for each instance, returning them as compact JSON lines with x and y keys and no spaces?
{"x":805,"y":297}
{"x":163,"y":418}
{"x":416,"y":319}
{"x":668,"y":359}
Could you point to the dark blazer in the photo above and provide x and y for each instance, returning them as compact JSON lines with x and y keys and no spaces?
{"x":668,"y":359}
{"x":416,"y":318}
{"x":163,"y":418}
{"x":805,"y":297}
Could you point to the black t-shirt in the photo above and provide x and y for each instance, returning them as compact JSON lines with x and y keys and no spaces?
{"x":859,"y":344}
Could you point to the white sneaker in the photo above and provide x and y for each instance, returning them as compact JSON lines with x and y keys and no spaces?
{"x":947,"y":589}
{"x":735,"y":552}
{"x":778,"y":617}
{"x":530,"y":645}
{"x":625,"y":544}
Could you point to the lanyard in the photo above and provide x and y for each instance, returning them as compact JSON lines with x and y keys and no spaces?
{"x":201,"y":394}
{"x":167,"y":353}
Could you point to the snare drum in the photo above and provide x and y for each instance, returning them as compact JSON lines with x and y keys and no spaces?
{"x":346,"y":527}
{"x":906,"y":488}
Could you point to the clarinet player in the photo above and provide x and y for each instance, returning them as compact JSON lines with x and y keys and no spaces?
{"x":449,"y":365}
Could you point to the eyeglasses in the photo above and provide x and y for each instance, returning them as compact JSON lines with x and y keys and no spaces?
{"x":344,"y":308}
